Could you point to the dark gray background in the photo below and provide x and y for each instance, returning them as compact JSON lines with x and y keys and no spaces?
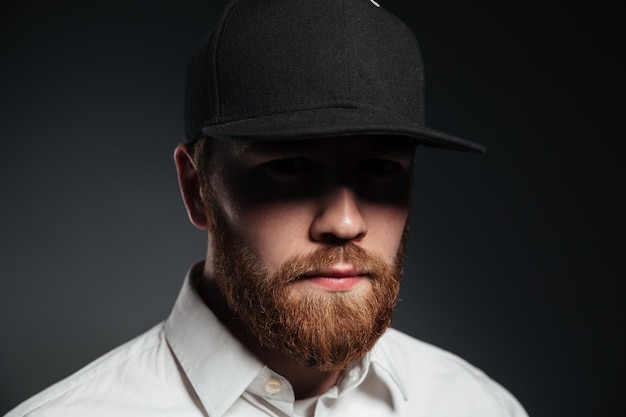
{"x":515,"y":256}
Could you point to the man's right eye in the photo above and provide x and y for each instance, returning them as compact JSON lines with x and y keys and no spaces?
{"x":289,"y":167}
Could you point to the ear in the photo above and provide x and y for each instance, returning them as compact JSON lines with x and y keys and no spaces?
{"x":189,"y":184}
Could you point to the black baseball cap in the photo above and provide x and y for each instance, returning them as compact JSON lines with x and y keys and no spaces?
{"x":303,"y":69}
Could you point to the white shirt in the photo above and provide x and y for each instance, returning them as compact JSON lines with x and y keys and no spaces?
{"x":191,"y":365}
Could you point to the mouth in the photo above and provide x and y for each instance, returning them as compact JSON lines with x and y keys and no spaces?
{"x":337,"y":278}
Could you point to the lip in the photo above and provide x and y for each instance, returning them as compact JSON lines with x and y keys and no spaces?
{"x":336,"y":278}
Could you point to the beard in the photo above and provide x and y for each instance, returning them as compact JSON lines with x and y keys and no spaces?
{"x":324,"y":331}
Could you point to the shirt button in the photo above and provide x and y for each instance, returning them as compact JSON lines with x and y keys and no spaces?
{"x":273,"y":386}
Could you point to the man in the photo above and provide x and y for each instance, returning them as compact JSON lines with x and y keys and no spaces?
{"x":302,"y":117}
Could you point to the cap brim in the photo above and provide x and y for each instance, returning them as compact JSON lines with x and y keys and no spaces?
{"x":334,"y":122}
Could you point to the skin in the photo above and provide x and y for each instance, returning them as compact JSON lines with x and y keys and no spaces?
{"x":288,"y":198}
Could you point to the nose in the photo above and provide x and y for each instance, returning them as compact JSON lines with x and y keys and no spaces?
{"x":339,"y":219}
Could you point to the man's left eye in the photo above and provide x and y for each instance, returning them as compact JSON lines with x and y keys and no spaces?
{"x":380,"y":167}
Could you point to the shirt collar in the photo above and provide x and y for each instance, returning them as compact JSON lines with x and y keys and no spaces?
{"x":207,"y":351}
{"x":381,"y":356}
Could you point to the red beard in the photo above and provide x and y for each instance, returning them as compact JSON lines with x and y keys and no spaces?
{"x":325,"y":331}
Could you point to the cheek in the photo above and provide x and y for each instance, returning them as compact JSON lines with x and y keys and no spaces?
{"x":274,"y":232}
{"x":386,"y":226}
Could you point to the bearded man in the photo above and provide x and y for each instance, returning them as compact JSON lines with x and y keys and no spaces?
{"x":302,"y":118}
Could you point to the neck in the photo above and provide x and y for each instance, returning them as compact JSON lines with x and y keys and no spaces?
{"x":306,"y":382}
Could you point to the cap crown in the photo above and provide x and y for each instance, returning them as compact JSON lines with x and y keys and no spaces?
{"x":268,"y":57}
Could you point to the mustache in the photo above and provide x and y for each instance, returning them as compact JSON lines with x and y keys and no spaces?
{"x":366,"y":262}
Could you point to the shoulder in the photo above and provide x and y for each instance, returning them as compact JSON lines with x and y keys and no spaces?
{"x":106,"y":380}
{"x":429,"y":372}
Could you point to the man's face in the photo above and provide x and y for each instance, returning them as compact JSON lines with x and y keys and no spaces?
{"x":307,"y":240}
